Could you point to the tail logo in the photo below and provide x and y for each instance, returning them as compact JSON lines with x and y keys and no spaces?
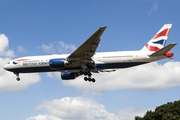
{"x":151,"y":48}
{"x":155,"y":48}
{"x":163,"y":33}
{"x":159,"y":39}
{"x":162,"y":42}
{"x":154,"y":45}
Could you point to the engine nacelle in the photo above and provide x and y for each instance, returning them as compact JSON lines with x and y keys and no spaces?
{"x":57,"y":63}
{"x":169,"y":54}
{"x":68,"y":75}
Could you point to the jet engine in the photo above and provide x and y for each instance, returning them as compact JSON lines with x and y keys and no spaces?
{"x":68,"y":75}
{"x":57,"y":63}
{"x":169,"y":54}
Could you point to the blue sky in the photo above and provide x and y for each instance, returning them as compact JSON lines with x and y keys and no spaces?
{"x":30,"y":28}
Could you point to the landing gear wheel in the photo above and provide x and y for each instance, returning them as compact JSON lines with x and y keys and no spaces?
{"x":89,"y":79}
{"x":88,"y":73}
{"x":80,"y":73}
{"x":85,"y":78}
{"x":18,"y":79}
{"x":93,"y":80}
{"x":85,"y":73}
{"x":17,"y":74}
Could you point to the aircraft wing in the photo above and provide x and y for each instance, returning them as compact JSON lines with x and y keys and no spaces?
{"x":88,"y":48}
{"x":82,"y":55}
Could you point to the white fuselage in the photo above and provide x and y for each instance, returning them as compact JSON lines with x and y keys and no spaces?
{"x":103,"y":60}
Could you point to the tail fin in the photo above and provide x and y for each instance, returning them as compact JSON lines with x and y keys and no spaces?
{"x":159,"y":40}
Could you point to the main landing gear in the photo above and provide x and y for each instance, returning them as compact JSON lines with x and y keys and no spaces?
{"x":89,"y":76}
{"x":17,"y":74}
{"x":89,"y":79}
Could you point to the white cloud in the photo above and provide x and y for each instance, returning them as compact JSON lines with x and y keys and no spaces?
{"x":76,"y":108}
{"x":130,"y":113}
{"x":48,"y":48}
{"x":4,"y":43}
{"x":43,"y":117}
{"x":54,"y":74}
{"x":154,"y":7}
{"x":49,"y":74}
{"x":79,"y":108}
{"x":8,"y":83}
{"x":58,"y":47}
{"x":21,"y":49}
{"x":152,"y":76}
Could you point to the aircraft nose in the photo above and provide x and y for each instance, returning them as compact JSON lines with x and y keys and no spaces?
{"x":6,"y":67}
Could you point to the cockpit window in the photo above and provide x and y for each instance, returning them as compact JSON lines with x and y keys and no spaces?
{"x":8,"y":63}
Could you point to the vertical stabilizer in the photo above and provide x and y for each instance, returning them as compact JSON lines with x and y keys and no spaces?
{"x":159,"y":39}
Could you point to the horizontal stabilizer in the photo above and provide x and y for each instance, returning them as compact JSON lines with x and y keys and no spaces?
{"x":164,"y":50}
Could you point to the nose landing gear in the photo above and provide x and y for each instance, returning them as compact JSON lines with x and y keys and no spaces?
{"x":17,"y":74}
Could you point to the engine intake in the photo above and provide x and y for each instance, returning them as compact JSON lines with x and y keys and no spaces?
{"x":68,"y":75}
{"x":57,"y":63}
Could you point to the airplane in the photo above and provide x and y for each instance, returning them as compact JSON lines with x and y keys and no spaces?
{"x":85,"y":60}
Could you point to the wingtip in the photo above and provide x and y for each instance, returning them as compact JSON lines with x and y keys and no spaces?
{"x":103,"y":27}
{"x":174,"y":43}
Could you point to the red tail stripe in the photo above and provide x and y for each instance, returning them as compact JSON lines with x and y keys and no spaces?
{"x":163,"y":33}
{"x":152,"y":48}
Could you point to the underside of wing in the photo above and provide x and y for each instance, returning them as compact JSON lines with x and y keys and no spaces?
{"x":82,"y":55}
